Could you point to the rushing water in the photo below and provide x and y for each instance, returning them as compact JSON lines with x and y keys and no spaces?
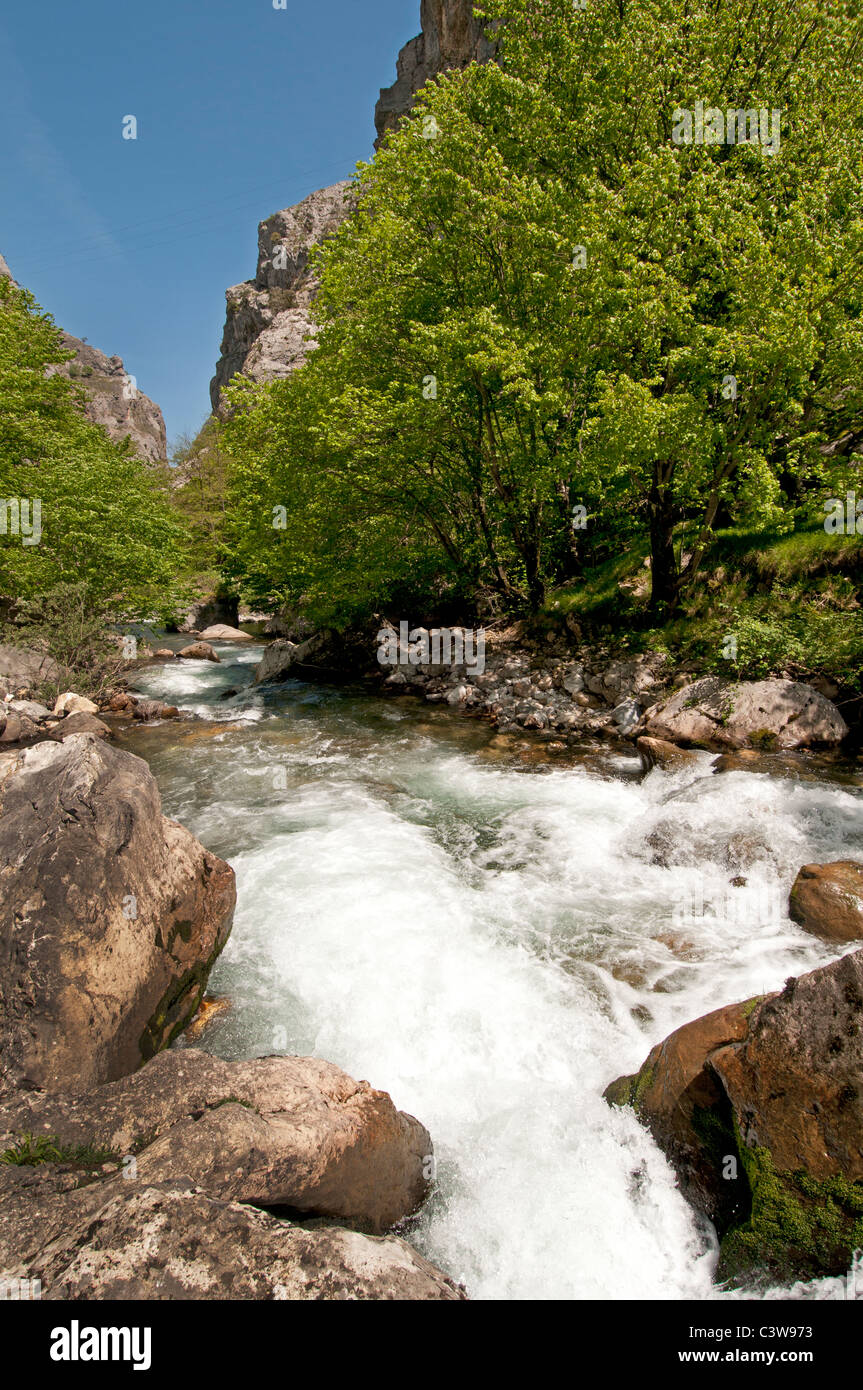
{"x":492,"y":936}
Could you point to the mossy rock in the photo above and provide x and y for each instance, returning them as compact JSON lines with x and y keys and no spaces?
{"x":798,"y":1227}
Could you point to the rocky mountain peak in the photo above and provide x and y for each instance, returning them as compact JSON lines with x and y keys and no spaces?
{"x":113,"y":399}
{"x":451,"y":37}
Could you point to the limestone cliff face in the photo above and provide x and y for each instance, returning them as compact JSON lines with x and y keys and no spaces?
{"x":451,"y":38}
{"x":113,"y":399}
{"x":269,"y":317}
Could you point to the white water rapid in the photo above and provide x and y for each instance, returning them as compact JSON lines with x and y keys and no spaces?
{"x":492,"y":941}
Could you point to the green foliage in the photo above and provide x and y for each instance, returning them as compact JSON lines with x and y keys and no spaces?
{"x":562,"y":383}
{"x":31,"y":1149}
{"x":68,"y":624}
{"x":105,"y":518}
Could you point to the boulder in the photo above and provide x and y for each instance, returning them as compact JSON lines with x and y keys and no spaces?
{"x":659,"y":753}
{"x":19,"y":666}
{"x":111,"y":916}
{"x":70,"y":703}
{"x":198,"y":651}
{"x":276,"y":1132}
{"x":778,"y":1102}
{"x":124,"y":1241}
{"x":827,"y":900}
{"x":771,"y":714}
{"x":283,"y":659}
{"x":676,"y":1095}
{"x":80,"y":724}
{"x":220,"y":632}
{"x":31,"y":708}
{"x":148,"y":710}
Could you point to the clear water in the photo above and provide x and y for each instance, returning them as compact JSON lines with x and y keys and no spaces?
{"x":492,"y":936}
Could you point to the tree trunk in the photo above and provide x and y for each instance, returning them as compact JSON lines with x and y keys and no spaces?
{"x":665,"y":581}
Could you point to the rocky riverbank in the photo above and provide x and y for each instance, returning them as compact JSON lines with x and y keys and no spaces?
{"x":129,"y":1171}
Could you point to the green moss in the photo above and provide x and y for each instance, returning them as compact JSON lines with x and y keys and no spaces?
{"x":620,"y":1091}
{"x":798,"y":1226}
{"x":763,"y":739}
{"x":751,"y":1004}
{"x":643,"y":1083}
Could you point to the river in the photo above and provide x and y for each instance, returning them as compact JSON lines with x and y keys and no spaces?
{"x":492,"y":935}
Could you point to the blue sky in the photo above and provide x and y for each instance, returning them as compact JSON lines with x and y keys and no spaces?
{"x":241,"y":110}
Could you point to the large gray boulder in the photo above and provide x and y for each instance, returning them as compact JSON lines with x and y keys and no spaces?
{"x":111,"y":916}
{"x":761,"y":714}
{"x":171,"y":1240}
{"x":21,"y":668}
{"x":276,"y":1132}
{"x":283,"y":659}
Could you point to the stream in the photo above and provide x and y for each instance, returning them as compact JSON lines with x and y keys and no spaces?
{"x":492,"y":933}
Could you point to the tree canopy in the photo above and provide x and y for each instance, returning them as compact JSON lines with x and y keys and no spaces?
{"x":547,"y":300}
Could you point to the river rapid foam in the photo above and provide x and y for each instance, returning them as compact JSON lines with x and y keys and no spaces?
{"x":492,"y":939}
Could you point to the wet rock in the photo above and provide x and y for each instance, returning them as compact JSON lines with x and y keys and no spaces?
{"x":827,"y":900}
{"x":658,"y":752}
{"x":172,"y":1241}
{"x":148,"y":710}
{"x":276,"y":1132}
{"x":767,"y":715}
{"x":777,"y":1102}
{"x":220,"y":632}
{"x":111,"y":916}
{"x":676,"y":1096}
{"x":198,"y":651}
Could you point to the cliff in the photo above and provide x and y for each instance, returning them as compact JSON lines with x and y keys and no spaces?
{"x":113,"y":398}
{"x":269,"y":318}
{"x":451,"y":38}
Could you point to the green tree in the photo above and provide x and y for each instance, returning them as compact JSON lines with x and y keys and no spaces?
{"x":544,"y":299}
{"x":104,"y":519}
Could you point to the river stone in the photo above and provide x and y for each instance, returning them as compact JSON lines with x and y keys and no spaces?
{"x":673,"y":1093}
{"x":277,"y":1132}
{"x":827,"y":900}
{"x":198,"y":651}
{"x":71,"y":703}
{"x":763,"y":714}
{"x":781,"y":1097}
{"x":31,"y":708}
{"x":659,"y":753}
{"x":220,"y":632}
{"x":82,"y":723}
{"x":111,"y":916}
{"x":282,"y":656}
{"x":171,"y":1241}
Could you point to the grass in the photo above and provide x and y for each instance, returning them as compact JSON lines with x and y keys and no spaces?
{"x":31,"y":1149}
{"x":790,"y":601}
